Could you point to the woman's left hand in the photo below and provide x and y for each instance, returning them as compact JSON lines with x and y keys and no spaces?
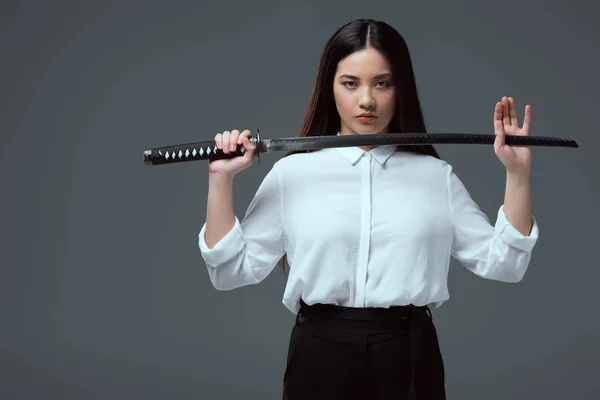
{"x":517,"y":158}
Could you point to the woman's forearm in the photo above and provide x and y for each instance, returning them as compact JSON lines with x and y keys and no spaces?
{"x":220,"y":216}
{"x":517,"y":202}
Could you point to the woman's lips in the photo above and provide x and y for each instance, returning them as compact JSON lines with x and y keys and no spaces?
{"x":366,"y":119}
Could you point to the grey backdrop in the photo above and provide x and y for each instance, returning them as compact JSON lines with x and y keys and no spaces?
{"x":103,"y":292}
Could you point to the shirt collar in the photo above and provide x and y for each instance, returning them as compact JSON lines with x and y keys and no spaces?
{"x":379,"y":153}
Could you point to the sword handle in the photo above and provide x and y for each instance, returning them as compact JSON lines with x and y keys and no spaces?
{"x":205,"y":150}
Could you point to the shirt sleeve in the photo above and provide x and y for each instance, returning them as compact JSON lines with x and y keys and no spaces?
{"x":251,"y":249}
{"x":499,"y":252}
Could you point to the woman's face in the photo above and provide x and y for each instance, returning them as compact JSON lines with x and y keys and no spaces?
{"x":363,"y":84}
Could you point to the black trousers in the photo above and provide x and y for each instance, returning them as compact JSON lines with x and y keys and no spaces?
{"x":364,"y":353}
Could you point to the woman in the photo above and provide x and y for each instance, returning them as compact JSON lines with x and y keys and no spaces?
{"x":367,"y":232}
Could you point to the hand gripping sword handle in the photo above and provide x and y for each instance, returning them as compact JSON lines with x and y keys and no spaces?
{"x":206,"y":150}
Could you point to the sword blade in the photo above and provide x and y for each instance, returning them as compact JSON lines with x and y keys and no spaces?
{"x":409,"y":139}
{"x":208,"y":150}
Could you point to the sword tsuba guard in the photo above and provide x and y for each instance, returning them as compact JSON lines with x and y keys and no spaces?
{"x":257,"y":145}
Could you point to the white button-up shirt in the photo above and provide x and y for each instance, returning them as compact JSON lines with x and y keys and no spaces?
{"x":365,"y":229}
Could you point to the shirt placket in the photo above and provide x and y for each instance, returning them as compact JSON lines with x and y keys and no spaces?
{"x":365,"y":230}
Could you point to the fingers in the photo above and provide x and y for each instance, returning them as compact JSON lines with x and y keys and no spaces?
{"x":219,"y":140}
{"x":513,"y":112}
{"x":499,"y":126}
{"x":226,"y":139}
{"x":498,"y":112}
{"x":233,"y":140}
{"x":244,"y":135}
{"x":527,"y":120}
{"x":229,"y":140}
{"x":244,"y":140}
{"x":505,"y":111}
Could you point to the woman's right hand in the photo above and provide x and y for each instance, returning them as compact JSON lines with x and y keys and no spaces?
{"x":228,"y":141}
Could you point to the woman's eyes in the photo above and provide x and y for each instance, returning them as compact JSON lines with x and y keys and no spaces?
{"x":385,"y":83}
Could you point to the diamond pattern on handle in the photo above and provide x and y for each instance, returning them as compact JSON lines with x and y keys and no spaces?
{"x":196,"y":151}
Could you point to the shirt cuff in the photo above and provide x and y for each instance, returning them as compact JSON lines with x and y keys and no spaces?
{"x":512,"y":237}
{"x":225,"y":249}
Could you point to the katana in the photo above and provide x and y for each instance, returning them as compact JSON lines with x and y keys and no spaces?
{"x":208,"y":150}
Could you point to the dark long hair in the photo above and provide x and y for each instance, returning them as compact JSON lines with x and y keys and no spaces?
{"x":321,"y":116}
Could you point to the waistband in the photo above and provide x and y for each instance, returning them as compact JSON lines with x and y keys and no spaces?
{"x":415,"y":316}
{"x":364,"y":313}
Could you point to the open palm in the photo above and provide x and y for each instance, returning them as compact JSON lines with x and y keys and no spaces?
{"x":517,"y":158}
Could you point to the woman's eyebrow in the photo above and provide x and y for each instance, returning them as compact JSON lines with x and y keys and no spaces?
{"x":384,"y":75}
